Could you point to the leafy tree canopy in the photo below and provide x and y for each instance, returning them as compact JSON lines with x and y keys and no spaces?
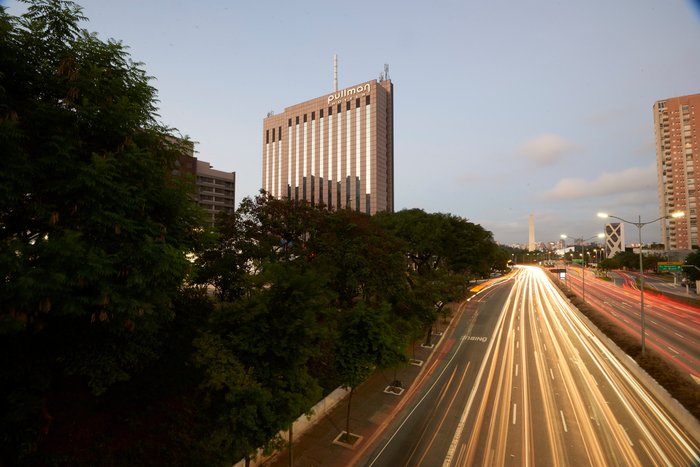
{"x":93,"y":227}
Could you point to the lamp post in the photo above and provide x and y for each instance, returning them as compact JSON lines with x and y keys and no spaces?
{"x":639,"y":224}
{"x":583,"y":261}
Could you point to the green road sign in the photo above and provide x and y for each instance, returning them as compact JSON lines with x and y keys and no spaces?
{"x":669,"y":266}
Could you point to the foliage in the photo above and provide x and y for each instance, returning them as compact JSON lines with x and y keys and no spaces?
{"x":693,"y":259}
{"x":93,"y":228}
{"x":366,"y":341}
{"x":629,"y":260}
{"x":112,"y":351}
{"x":443,"y":253}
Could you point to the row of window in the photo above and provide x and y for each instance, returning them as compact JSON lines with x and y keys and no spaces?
{"x":207,"y":189}
{"x":214,"y":181}
{"x":217,"y":207}
{"x":277,"y":136}
{"x":216,"y":199}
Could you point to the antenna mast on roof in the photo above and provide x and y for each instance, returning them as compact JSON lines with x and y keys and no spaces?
{"x":335,"y":72}
{"x":386,"y":71}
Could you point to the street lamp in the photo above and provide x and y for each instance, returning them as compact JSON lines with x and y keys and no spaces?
{"x":639,"y":224}
{"x":583,"y":261}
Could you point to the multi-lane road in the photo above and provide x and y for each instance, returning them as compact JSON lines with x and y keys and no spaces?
{"x":672,"y":328}
{"x":521,"y":379}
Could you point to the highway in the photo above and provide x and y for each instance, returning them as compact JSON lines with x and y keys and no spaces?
{"x":520,"y":379}
{"x":672,"y":328}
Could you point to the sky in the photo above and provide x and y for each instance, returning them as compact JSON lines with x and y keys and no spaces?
{"x":502,"y":109}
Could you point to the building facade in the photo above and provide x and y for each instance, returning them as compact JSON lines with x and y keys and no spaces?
{"x":216,"y":190}
{"x":335,"y":151}
{"x":676,"y":124}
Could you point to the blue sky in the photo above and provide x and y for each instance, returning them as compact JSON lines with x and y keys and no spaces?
{"x":502,"y":109}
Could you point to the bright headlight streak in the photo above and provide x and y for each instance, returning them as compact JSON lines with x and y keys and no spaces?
{"x":577,"y":324}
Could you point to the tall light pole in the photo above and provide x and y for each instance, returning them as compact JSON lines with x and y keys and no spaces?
{"x":583,"y":260}
{"x":639,"y":224}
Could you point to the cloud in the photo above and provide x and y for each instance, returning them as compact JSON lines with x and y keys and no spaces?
{"x":635,"y":179}
{"x":546,"y":149}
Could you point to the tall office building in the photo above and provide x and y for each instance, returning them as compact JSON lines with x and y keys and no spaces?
{"x":531,"y":244}
{"x":676,"y":124}
{"x":335,"y":151}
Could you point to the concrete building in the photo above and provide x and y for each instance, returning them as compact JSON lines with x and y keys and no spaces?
{"x":335,"y":151}
{"x":216,"y":190}
{"x":676,"y":124}
{"x":531,"y":244}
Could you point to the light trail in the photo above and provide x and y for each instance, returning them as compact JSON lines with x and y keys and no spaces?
{"x":594,"y":412}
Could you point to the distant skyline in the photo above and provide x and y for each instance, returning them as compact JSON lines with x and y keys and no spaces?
{"x":502,"y":109}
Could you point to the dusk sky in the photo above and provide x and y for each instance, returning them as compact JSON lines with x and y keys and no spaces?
{"x":502,"y":109}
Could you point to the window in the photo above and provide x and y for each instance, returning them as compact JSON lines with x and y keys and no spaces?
{"x":330,"y":111}
{"x":279,"y":133}
{"x":357,"y":103}
{"x":347,"y":105}
{"x":320,"y":113}
{"x":304,"y":118}
{"x":297,"y":120}
{"x":340,"y":109}
{"x":267,"y":136}
{"x":366,"y":100}
{"x":289,"y":122}
{"x":313,"y":115}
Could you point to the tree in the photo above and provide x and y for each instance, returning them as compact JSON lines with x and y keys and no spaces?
{"x":693,"y":259}
{"x":362,"y":260}
{"x":442,"y":252}
{"x":93,"y":227}
{"x":366,"y":342}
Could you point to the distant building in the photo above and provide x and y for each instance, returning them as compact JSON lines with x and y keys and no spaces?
{"x":335,"y":151}
{"x":215,"y":189}
{"x":531,"y":244}
{"x":676,"y":124}
{"x":614,"y":239}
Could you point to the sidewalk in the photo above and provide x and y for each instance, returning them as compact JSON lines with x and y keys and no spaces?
{"x":371,"y":412}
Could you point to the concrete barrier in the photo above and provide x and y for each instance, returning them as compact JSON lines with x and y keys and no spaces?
{"x":303,"y":423}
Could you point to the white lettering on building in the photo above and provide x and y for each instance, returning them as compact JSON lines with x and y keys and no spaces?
{"x":348,"y":92}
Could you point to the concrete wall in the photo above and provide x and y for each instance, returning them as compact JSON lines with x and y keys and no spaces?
{"x":303,"y":423}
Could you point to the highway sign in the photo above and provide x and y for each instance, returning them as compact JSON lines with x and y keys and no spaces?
{"x":669,"y":266}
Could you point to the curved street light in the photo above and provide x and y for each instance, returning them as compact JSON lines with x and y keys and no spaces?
{"x":583,"y":260}
{"x":639,"y":224}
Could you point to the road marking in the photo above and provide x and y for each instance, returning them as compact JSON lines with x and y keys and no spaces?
{"x":545,"y":347}
{"x":515,"y":411}
{"x":626,"y":435}
{"x":476,"y":338}
{"x":673,"y":350}
{"x":563,"y":421}
{"x":682,"y":337}
{"x":697,"y":380}
{"x":551,"y":373}
{"x":516,"y":369}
